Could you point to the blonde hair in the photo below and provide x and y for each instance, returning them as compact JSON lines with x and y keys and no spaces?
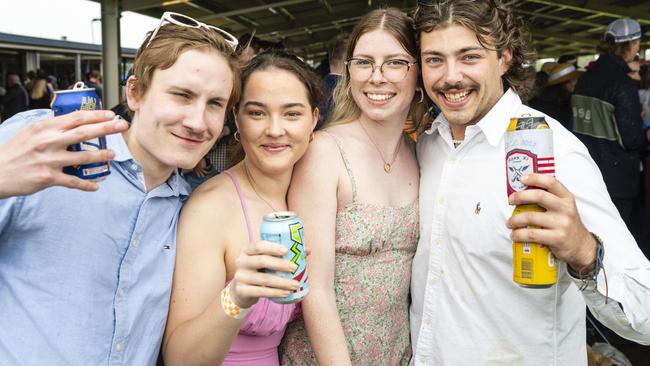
{"x":39,"y":90}
{"x":400,"y":26}
{"x":170,"y":42}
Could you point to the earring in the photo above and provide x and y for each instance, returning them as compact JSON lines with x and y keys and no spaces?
{"x":311,"y":137}
{"x":421,"y":95}
{"x":236,"y":135}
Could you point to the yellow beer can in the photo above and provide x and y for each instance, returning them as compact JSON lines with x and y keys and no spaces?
{"x":529,"y":149}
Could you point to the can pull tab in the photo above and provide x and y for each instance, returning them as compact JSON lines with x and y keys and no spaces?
{"x":79,"y":85}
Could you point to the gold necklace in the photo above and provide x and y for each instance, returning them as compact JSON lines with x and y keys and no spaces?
{"x":252,"y":183}
{"x":387,"y":165}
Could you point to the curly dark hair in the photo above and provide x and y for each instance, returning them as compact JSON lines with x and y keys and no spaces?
{"x":496,"y":28}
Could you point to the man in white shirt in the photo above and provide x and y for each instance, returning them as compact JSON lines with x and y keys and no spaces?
{"x":466,"y":310}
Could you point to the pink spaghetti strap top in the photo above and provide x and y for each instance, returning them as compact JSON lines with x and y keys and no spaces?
{"x":242,"y":201}
{"x":259,"y":336}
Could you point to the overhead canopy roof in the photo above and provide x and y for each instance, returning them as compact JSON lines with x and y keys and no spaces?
{"x":306,"y":26}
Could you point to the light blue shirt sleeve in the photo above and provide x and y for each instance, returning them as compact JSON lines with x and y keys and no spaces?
{"x":9,"y":207}
{"x":21,"y":120}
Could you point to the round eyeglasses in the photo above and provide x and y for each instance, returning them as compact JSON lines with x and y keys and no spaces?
{"x":393,"y":70}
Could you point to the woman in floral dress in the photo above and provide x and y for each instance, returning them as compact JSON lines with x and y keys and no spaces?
{"x":356,"y":190}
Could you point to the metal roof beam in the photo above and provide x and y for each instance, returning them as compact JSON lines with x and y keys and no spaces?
{"x":326,"y":5}
{"x":594,"y":7}
{"x":253,"y":9}
{"x":318,"y":28}
{"x":567,"y":37}
{"x":137,"y":5}
{"x":560,"y":18}
{"x":342,"y":13}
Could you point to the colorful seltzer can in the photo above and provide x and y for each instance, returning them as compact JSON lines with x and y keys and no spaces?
{"x":529,"y":149}
{"x":285,"y":228}
{"x":80,"y":98}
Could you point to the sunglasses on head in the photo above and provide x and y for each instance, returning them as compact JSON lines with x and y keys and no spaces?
{"x":185,"y":21}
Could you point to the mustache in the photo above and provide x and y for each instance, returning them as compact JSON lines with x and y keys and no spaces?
{"x":201,"y":136}
{"x":455,"y":86}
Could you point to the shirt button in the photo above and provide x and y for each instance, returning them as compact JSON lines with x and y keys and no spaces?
{"x":433,"y":281}
{"x":134,"y":242}
{"x":134,"y":167}
{"x":121,"y":292}
{"x":436,"y":241}
{"x":423,"y":359}
{"x":427,"y":321}
{"x":118,"y":347}
{"x":452,"y":159}
{"x":441,"y":200}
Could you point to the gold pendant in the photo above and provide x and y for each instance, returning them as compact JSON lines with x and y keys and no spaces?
{"x":387,"y":167}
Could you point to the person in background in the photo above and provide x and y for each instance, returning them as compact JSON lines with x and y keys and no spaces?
{"x":16,"y":99}
{"x":40,"y":95}
{"x":607,"y":119}
{"x":635,"y":69}
{"x":85,"y":278}
{"x":466,"y":309}
{"x":220,"y":255}
{"x":30,"y":76}
{"x":644,"y":94}
{"x":541,"y":78}
{"x":568,"y":59}
{"x":94,"y":81}
{"x":336,"y":59}
{"x":356,"y":191}
{"x":555,"y":97}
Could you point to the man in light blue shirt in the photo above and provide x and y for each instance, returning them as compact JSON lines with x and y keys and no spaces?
{"x":85,"y":277}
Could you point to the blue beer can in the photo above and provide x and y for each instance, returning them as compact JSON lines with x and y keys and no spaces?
{"x":80,"y":98}
{"x":285,"y":228}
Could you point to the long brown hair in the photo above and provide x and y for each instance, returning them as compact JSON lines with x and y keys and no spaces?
{"x":496,"y":28}
{"x":400,"y":26}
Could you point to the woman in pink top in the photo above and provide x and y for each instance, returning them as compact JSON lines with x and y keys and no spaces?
{"x":219,"y":253}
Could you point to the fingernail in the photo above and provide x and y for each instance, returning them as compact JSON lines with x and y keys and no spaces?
{"x":109,"y":114}
{"x":511,"y":199}
{"x":296,"y":285}
{"x":294,"y":267}
{"x":525,"y":178}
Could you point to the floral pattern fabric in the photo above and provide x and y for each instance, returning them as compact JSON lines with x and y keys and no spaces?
{"x":374,"y":250}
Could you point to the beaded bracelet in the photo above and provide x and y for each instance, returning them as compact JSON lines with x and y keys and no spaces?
{"x":229,"y":307}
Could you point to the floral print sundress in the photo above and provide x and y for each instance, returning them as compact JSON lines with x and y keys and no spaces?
{"x":374,"y":250}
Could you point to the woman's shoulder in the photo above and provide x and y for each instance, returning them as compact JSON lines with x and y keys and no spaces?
{"x":325,"y":145}
{"x":215,"y":197}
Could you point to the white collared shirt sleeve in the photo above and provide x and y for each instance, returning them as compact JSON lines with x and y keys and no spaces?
{"x":625,"y":279}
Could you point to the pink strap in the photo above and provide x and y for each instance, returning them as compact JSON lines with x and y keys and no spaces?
{"x":242,"y":201}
